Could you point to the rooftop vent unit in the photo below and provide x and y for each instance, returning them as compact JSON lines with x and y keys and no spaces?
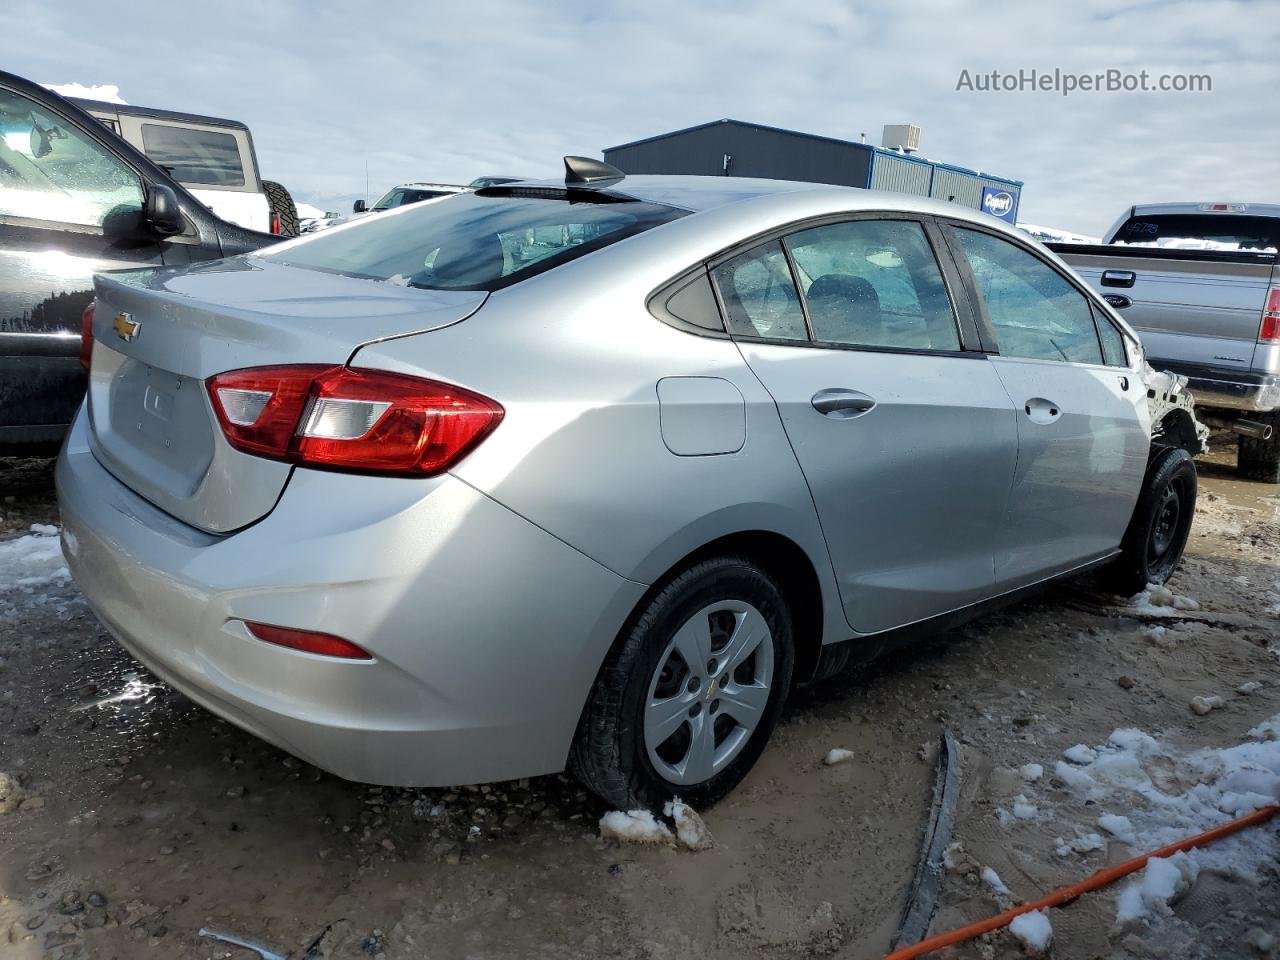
{"x":901,"y":136}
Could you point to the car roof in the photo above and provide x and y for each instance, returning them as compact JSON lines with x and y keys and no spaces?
{"x":129,"y":110}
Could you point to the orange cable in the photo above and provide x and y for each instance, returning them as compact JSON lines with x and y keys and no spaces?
{"x":1065,"y":895}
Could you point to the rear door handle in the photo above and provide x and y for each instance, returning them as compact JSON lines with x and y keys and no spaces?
{"x":1040,"y":410}
{"x":842,"y":404}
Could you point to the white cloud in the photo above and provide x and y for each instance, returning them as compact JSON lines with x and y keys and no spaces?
{"x":105,"y":92}
{"x":448,"y":91}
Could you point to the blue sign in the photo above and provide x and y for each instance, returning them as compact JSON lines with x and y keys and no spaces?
{"x":999,"y":203}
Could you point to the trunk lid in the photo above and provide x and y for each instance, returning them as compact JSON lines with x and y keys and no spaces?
{"x":151,"y":422}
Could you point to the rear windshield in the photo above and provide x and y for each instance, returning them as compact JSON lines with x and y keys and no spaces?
{"x":1202,"y":231}
{"x":476,"y":242}
{"x":194,"y":156}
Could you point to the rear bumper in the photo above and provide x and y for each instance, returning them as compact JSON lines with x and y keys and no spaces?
{"x":486,"y":631}
{"x":1230,"y":389}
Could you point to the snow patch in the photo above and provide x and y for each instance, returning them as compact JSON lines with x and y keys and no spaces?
{"x":1201,"y":706}
{"x":1031,"y":772}
{"x":1119,"y":826}
{"x":1033,"y":931}
{"x":1083,"y":844}
{"x":992,"y":880}
{"x":1080,"y":754}
{"x":691,"y":832}
{"x":1158,"y":796}
{"x":633,"y":826}
{"x":32,"y":560}
{"x":1160,"y":600}
{"x":837,"y":755}
{"x":1163,"y":881}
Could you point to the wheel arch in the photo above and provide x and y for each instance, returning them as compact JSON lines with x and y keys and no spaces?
{"x":787,"y":563}
{"x":1177,"y":429}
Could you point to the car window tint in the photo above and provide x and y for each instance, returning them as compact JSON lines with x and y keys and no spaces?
{"x":51,"y":171}
{"x":1036,"y":313}
{"x":1113,"y":350}
{"x":759,"y":295}
{"x":472,"y":241}
{"x":874,"y":283}
{"x":194,"y":156}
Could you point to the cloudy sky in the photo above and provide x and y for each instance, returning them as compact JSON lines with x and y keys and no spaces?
{"x":447,"y":91}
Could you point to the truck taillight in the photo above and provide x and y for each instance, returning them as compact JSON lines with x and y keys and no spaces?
{"x":360,"y":421}
{"x":276,"y":226}
{"x":1269,"y":329}
{"x":86,"y":335}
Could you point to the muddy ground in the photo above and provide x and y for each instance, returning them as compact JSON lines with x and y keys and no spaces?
{"x":147,"y":819}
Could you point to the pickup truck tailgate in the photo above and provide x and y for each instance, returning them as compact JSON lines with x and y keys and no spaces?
{"x":1192,"y":309}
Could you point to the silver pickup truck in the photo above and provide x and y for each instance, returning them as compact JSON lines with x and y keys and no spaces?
{"x":1200,"y":284}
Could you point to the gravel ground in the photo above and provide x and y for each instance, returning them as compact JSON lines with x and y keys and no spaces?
{"x":135,"y":818}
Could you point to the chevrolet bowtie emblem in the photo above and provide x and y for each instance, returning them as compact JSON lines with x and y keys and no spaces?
{"x":126,"y":327}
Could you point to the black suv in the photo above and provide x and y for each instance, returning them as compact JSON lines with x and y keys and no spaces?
{"x":75,"y":200}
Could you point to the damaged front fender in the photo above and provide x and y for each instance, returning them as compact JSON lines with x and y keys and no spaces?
{"x":1173,"y":416}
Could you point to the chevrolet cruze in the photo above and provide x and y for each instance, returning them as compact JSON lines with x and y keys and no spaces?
{"x":591,"y":473}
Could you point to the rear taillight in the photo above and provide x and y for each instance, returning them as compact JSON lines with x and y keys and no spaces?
{"x":364,"y":421}
{"x":1269,"y":329}
{"x":308,"y":641}
{"x":86,"y":335}
{"x":276,"y":226}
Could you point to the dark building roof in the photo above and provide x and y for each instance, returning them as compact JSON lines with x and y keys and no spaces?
{"x":833,"y":145}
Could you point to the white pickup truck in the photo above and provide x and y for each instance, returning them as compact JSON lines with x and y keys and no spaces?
{"x":1200,"y":282}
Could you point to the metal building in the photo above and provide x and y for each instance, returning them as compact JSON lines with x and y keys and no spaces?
{"x":740,"y":149}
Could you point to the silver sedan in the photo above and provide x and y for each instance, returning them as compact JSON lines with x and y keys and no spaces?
{"x":592,"y":472}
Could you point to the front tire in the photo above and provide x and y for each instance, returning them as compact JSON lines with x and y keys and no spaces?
{"x":1260,"y":459}
{"x":1161,"y":522}
{"x":691,"y":692}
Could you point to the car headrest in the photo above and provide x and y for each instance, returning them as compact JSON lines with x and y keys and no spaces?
{"x":475,"y":260}
{"x":845,"y":308}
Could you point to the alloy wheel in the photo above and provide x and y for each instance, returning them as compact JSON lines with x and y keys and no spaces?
{"x":708,"y":692}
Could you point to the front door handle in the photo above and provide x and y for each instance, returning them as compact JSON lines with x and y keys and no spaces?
{"x":1040,"y":410}
{"x":841,"y":404}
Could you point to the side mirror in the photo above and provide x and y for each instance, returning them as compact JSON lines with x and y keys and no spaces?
{"x":359,"y":207}
{"x":161,"y":210}
{"x":40,"y":145}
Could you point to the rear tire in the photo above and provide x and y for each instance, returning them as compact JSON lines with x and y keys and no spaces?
{"x":1161,"y":522}
{"x":1260,"y":459}
{"x":281,"y":204}
{"x":656,"y":721}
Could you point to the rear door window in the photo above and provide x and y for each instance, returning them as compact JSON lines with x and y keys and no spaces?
{"x":474,"y":241}
{"x":874,"y":283}
{"x":760,"y":295}
{"x":1036,"y":312}
{"x":195,"y":156}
